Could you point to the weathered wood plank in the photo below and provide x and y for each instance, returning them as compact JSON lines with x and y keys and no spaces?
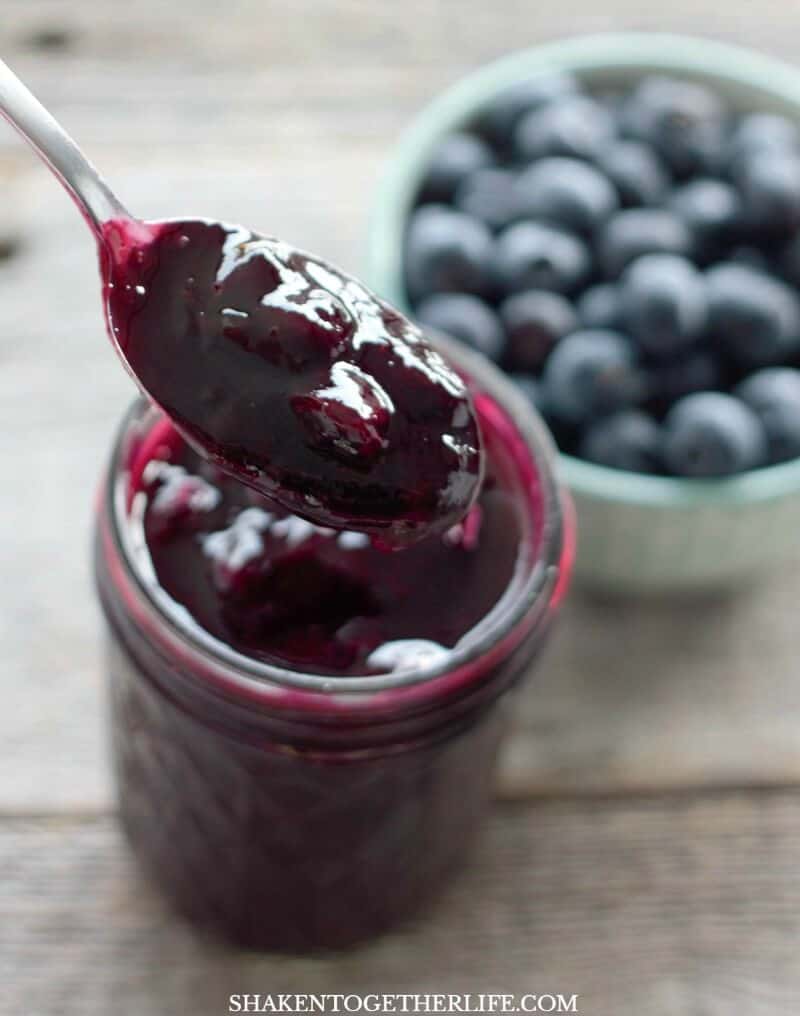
{"x":264,"y":75}
{"x":633,"y":696}
{"x":338,"y":33}
{"x":663,"y":906}
{"x":280,"y":116}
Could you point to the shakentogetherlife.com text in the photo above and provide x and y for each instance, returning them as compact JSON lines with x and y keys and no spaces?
{"x":404,"y":1003}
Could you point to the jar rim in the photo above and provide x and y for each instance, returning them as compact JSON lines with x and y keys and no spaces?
{"x":537,"y":591}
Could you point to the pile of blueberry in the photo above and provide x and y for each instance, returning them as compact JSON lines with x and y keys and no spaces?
{"x":632,"y":260}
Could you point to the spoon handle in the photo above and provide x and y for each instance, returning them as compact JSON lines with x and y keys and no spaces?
{"x":49,"y":139}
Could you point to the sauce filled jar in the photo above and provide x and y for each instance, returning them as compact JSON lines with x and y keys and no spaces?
{"x":295,"y":798}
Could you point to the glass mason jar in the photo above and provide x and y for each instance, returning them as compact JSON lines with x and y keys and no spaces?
{"x":292,"y":811}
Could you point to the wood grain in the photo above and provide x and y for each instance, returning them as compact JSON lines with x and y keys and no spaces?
{"x":659,"y":906}
{"x":285,"y":126}
{"x":280,"y":115}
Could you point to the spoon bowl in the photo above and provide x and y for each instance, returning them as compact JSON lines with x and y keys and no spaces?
{"x":276,"y":365}
{"x":283,"y":371}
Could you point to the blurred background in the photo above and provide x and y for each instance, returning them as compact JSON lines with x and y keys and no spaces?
{"x":646,"y":851}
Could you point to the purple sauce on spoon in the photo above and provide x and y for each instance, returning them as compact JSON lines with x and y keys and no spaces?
{"x":283,"y":371}
{"x":292,"y":377}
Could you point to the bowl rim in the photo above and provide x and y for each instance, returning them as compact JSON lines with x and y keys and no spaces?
{"x":719,"y":62}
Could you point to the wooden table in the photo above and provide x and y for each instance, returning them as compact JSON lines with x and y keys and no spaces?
{"x":646,"y":851}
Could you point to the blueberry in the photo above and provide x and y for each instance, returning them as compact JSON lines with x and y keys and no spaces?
{"x":772,"y":384}
{"x":636,"y":171}
{"x":534,"y":321}
{"x":453,"y":160}
{"x":611,"y":99}
{"x":237,"y":555}
{"x":629,"y":439}
{"x":575,"y":126}
{"x":753,"y":257}
{"x":499,"y":118}
{"x":566,"y":192}
{"x":696,"y":371}
{"x":445,"y":251}
{"x":347,"y":417}
{"x":590,"y":373}
{"x":712,"y":209}
{"x":531,"y":255}
{"x":770,"y":189}
{"x":178,"y":499}
{"x":753,"y":317}
{"x":488,"y":195}
{"x":599,"y":307}
{"x":682,"y":120}
{"x":664,"y":304}
{"x":531,"y":388}
{"x":464,"y":317}
{"x":711,"y":434}
{"x":759,"y":134}
{"x":782,"y":425}
{"x":789,"y":261}
{"x":636,"y":231}
{"x":774,"y":395}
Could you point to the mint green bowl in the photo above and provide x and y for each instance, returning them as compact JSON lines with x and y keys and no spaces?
{"x":636,"y":533}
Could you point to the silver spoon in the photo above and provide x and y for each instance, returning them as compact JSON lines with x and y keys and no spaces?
{"x":48,"y":138}
{"x":243,"y":415}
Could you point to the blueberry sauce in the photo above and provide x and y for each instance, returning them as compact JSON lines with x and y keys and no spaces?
{"x":293,"y":378}
{"x":282,"y":590}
